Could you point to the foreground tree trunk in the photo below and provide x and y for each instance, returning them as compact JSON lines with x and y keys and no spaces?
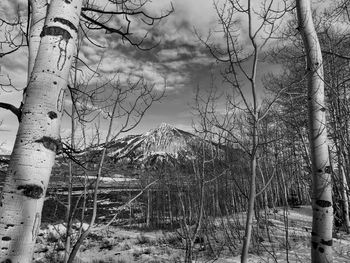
{"x":321,"y":240}
{"x":39,"y":11}
{"x":38,"y":135}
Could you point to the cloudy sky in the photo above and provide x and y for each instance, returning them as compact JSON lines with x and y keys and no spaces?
{"x":179,"y":58}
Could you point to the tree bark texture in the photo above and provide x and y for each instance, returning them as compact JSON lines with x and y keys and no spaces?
{"x":321,"y":240}
{"x":345,"y":190}
{"x":37,"y":20}
{"x":38,"y":138}
{"x":250,"y":211}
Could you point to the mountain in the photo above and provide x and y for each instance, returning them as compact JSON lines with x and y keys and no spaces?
{"x":164,"y":143}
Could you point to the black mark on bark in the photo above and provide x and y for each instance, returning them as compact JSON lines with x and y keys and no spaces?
{"x":9,"y":225}
{"x":56,"y":31}
{"x":31,"y":190}
{"x":67,"y":1}
{"x":52,"y":115}
{"x":7,"y":261}
{"x":314,"y":244}
{"x":65,"y":36}
{"x":6,"y":238}
{"x":50,"y":143}
{"x":320,"y":170}
{"x":327,"y":170}
{"x":65,"y":22}
{"x":327,"y":243}
{"x":4,"y":248}
{"x":323,"y":203}
{"x":321,"y":249}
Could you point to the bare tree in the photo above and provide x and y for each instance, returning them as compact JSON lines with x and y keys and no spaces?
{"x":242,"y":63}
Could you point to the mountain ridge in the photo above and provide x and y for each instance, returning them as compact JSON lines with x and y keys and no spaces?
{"x":162,"y":144}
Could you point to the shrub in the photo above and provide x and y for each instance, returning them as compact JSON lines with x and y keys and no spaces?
{"x":137,"y":253}
{"x":53,"y":257}
{"x":51,"y":237}
{"x":172,"y":240}
{"x":126,"y":246}
{"x":142,"y":240}
{"x":147,"y":251}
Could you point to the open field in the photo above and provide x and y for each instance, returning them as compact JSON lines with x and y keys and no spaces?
{"x":135,"y":244}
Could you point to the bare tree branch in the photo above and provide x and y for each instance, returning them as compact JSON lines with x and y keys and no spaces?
{"x":13,"y":109}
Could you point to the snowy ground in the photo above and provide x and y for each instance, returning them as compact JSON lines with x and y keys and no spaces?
{"x":115,"y":244}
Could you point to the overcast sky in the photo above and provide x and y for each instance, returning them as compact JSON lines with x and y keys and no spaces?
{"x":179,"y":58}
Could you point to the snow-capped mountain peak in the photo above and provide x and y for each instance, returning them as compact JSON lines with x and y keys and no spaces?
{"x":165,"y":141}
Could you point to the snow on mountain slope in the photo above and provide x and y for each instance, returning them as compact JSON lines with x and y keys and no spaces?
{"x":163,"y":143}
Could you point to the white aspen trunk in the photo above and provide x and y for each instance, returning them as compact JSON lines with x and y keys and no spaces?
{"x":265,"y":198}
{"x":345,"y":190}
{"x":37,"y":21}
{"x":170,"y":207}
{"x":130,"y":210}
{"x":148,"y":216}
{"x":39,"y":12}
{"x":250,"y":211}
{"x":38,"y":135}
{"x":285,"y":214}
{"x":321,"y":240}
{"x":255,"y":142}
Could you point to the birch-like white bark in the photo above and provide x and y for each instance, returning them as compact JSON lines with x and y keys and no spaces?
{"x":39,"y":11}
{"x":321,"y":239}
{"x":38,"y":135}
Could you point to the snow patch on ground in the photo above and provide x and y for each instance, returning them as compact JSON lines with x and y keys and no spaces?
{"x":112,"y":179}
{"x":114,"y":243}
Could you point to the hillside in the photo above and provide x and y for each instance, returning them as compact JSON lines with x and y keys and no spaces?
{"x":163,"y":142}
{"x":164,"y":146}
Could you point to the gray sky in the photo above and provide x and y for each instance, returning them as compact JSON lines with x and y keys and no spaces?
{"x":179,"y":58}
